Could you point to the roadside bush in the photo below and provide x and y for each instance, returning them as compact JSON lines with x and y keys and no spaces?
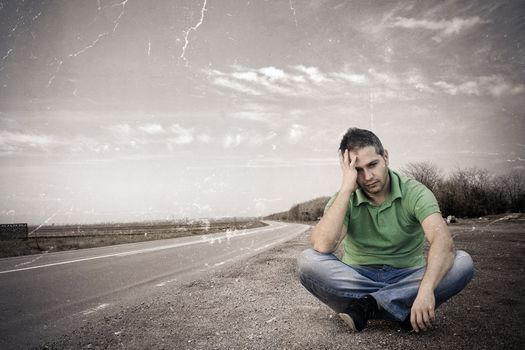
{"x":311,"y":210}
{"x":513,"y":186}
{"x":467,"y":193}
{"x":426,"y":173}
{"x":472,"y":192}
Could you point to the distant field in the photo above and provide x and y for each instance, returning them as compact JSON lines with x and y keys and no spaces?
{"x":54,"y":238}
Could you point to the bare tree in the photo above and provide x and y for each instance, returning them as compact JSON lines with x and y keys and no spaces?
{"x":471,"y":189}
{"x":513,"y":186}
{"x":426,"y":173}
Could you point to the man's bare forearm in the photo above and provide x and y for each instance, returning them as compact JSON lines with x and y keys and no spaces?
{"x":327,"y":234}
{"x":439,"y":261}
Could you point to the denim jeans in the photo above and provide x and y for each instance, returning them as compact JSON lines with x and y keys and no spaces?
{"x":336,"y":283}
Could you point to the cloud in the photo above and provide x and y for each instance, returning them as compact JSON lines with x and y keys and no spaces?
{"x":296,"y":132}
{"x":247,"y":137}
{"x":232,"y":140}
{"x":359,"y":79}
{"x":258,"y":116}
{"x":204,"y":138}
{"x":152,"y":129}
{"x":235,"y":85}
{"x":444,"y":28}
{"x":313,"y":73}
{"x":270,"y":81}
{"x":183,"y":136}
{"x":274,"y":73}
{"x":82,"y":144}
{"x":17,"y":141}
{"x":311,"y":82}
{"x":247,"y":76}
{"x":262,"y":113}
{"x":494,"y":85}
{"x":120,"y":130}
{"x":314,"y":84}
{"x":259,"y":139}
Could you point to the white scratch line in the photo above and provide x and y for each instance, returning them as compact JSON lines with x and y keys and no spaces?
{"x":162,"y":284}
{"x":123,"y":4}
{"x":194,"y":28}
{"x":141,"y":251}
{"x":54,"y":75}
{"x":45,"y":222}
{"x":294,"y":13}
{"x":100,"y":36}
{"x":95,"y":309}
{"x":149,"y":47}
{"x":264,"y":247}
{"x":371,"y":110}
{"x":7,"y":54}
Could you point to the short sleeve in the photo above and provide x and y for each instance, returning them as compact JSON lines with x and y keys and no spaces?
{"x":424,"y":202}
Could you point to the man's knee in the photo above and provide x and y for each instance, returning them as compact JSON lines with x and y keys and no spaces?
{"x":457,"y":277}
{"x":464,"y":265}
{"x":310,"y":262}
{"x":306,"y":260}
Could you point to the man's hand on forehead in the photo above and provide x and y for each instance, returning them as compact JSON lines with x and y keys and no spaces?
{"x":352,"y":155}
{"x":347,"y":161}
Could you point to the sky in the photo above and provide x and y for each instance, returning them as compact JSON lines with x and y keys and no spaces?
{"x":118,"y":111}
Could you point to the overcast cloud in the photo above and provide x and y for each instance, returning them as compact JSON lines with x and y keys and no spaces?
{"x":137,"y":110}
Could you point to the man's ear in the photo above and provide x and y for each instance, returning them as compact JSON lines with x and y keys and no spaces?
{"x":385,"y":157}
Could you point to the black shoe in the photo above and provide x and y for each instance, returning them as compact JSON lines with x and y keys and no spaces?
{"x":359,"y":312}
{"x":406,"y":325}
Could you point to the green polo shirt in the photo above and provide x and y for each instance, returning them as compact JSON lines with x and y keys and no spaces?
{"x":390,"y":233}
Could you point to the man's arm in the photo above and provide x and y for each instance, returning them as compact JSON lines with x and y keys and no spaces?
{"x":330,"y":230}
{"x":439,"y":261}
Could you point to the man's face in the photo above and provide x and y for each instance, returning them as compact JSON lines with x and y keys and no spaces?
{"x":372,"y":170}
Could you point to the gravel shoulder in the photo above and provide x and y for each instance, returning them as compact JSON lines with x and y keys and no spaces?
{"x":258,"y":303}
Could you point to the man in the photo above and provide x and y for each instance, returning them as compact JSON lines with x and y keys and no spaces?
{"x":383,"y":218}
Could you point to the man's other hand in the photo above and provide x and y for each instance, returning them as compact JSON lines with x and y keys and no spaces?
{"x":347,"y":162}
{"x":422,"y":313}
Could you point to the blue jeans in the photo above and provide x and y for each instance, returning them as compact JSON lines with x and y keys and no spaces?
{"x":336,"y":283}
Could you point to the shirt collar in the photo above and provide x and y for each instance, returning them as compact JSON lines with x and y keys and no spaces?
{"x":395,"y":191}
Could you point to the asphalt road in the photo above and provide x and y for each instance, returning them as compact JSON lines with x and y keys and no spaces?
{"x":44,"y":296}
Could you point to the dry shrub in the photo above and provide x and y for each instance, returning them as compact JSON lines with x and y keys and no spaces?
{"x":472,"y":192}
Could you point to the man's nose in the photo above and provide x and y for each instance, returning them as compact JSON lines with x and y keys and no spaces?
{"x":368,"y":174}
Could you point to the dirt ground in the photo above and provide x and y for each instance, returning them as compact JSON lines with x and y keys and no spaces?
{"x":259,"y":304}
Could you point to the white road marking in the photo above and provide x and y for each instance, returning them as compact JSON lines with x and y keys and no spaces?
{"x":30,"y":262}
{"x":147,"y":250}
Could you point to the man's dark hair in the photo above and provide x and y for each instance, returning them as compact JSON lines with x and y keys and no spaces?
{"x":358,"y":138}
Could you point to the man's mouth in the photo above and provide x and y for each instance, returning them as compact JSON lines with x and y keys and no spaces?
{"x":372,"y":184}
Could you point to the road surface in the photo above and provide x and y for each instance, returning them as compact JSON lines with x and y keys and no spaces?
{"x":44,"y":296}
